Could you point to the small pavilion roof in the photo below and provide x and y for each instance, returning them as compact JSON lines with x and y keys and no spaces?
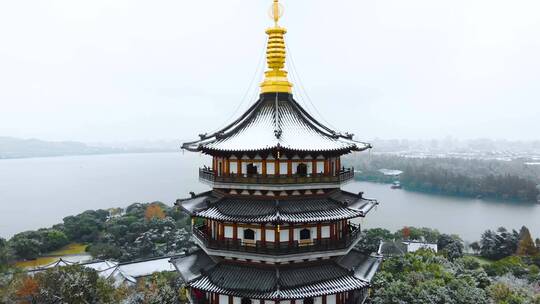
{"x":337,"y":205}
{"x":288,"y":281}
{"x":275,"y":121}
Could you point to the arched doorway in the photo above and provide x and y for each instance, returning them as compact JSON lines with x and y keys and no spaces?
{"x":245,"y":301}
{"x":251,"y":169}
{"x":305,"y":234}
{"x":249,"y":234}
{"x":301,"y":169}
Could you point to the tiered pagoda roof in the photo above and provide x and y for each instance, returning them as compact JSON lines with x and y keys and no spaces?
{"x":336,"y":205}
{"x":276,"y":121}
{"x":276,"y":225}
{"x":353,"y":271}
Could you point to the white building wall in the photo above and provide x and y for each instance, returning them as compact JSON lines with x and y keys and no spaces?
{"x":284,"y":235}
{"x":415,"y":246}
{"x":270,"y":167}
{"x":282,"y":168}
{"x":223,"y":299}
{"x":320,"y":167}
{"x":270,"y":235}
{"x":325,"y":232}
{"x":331,"y":299}
{"x":233,"y":167}
{"x":228,"y":232}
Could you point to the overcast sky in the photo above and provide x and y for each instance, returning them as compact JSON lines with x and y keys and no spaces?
{"x":121,"y":70}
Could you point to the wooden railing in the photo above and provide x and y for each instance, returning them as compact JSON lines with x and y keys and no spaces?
{"x":341,"y":176}
{"x":273,"y":248}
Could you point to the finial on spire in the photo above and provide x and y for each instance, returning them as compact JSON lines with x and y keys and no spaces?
{"x":275,"y":79}
{"x":276,"y":12}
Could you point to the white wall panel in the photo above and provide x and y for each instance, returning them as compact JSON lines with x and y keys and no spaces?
{"x":270,"y":235}
{"x":325,"y":231}
{"x":331,"y":299}
{"x":223,"y":299}
{"x":270,"y":168}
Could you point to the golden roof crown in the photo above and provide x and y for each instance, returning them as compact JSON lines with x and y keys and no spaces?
{"x":275,"y":77}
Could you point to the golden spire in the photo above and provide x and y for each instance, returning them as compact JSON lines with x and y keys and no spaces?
{"x":275,"y":79}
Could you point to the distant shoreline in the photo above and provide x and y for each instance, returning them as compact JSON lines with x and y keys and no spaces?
{"x":423,"y":191}
{"x":90,"y":154}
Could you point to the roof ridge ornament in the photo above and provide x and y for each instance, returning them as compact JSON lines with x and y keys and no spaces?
{"x":275,"y":79}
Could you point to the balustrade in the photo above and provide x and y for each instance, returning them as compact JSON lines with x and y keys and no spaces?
{"x":273,"y":248}
{"x":211,"y":176}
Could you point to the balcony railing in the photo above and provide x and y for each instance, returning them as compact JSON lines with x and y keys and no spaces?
{"x":282,"y":248}
{"x":341,"y":176}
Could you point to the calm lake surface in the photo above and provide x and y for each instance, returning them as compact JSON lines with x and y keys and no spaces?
{"x":39,"y":192}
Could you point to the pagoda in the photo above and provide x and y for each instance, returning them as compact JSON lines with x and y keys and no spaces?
{"x":276,"y":226}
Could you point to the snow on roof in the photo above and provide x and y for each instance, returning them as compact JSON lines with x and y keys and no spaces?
{"x":146,"y":268}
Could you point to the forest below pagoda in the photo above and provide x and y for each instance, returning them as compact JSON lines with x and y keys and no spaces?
{"x":502,"y":267}
{"x":504,"y":180}
{"x":138,"y":231}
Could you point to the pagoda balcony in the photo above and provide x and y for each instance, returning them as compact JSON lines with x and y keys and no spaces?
{"x":210,"y":176}
{"x":287,"y":248}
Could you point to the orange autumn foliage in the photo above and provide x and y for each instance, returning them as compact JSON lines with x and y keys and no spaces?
{"x":154,"y":211}
{"x":29,"y":288}
{"x":406,"y":233}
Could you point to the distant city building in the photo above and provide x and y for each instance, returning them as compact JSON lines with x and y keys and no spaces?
{"x":276,"y":227}
{"x":401,"y":247}
{"x":389,"y":172}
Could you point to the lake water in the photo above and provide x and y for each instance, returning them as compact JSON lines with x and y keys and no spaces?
{"x":39,"y":192}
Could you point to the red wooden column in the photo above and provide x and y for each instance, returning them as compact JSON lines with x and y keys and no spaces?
{"x":263,"y":234}
{"x":332,"y":231}
{"x":326,"y":167}
{"x":324,"y":299}
{"x":263,"y":167}
{"x":239,"y":167}
{"x":319,"y":231}
{"x":235,"y":231}
{"x":291,"y":234}
{"x":276,"y":236}
{"x":221,"y":231}
{"x":276,"y":167}
{"x":314,"y":167}
{"x":289,"y":167}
